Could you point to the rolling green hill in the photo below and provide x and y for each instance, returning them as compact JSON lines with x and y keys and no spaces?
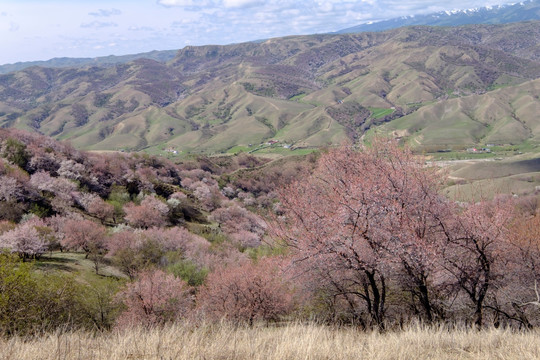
{"x":508,"y":115}
{"x":433,"y":86}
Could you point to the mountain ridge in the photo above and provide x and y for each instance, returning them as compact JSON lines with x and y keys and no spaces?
{"x":158,"y":55}
{"x":298,"y":91}
{"x":498,"y":14}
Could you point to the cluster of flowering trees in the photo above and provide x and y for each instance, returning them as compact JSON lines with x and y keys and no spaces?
{"x":25,"y":240}
{"x":129,"y":211}
{"x":363,"y":236}
{"x":371,"y":231}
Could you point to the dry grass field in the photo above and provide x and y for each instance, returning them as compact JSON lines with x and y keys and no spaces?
{"x":294,"y":341}
{"x":477,"y":179}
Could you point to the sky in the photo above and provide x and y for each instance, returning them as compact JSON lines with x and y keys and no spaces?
{"x":43,"y":29}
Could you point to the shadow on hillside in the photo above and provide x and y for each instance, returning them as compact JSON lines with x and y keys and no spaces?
{"x":526,"y":166}
{"x":52,"y":262}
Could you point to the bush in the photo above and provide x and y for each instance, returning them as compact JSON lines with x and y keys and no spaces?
{"x":247,"y":293}
{"x":155,"y":298}
{"x":190,"y":272}
{"x":15,"y":151}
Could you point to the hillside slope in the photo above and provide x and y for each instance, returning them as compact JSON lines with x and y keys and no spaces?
{"x":303,"y":91}
{"x":505,"y":115}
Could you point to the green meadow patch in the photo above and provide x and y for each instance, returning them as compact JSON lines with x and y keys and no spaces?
{"x":377,"y":113}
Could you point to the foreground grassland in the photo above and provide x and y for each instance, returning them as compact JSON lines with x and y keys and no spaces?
{"x":294,"y":341}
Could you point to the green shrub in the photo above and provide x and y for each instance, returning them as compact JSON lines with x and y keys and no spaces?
{"x":32,"y":302}
{"x":15,"y":151}
{"x":188,"y":271}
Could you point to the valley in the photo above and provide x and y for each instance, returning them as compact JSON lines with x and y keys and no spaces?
{"x":316,"y":196}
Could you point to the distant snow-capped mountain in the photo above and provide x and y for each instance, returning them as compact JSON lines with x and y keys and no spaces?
{"x":499,"y":14}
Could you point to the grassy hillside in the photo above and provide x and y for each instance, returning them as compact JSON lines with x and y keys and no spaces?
{"x":507,"y":115}
{"x":465,"y":86}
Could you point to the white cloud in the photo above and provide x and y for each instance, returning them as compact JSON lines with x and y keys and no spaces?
{"x":241,"y":3}
{"x":105,"y":12}
{"x":290,"y":12}
{"x":13,"y":26}
{"x":326,"y":6}
{"x":140,"y":28}
{"x":98,"y":25}
{"x":180,"y":24}
{"x":184,"y":3}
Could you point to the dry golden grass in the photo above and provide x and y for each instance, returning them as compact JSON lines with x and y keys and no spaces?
{"x":294,"y":341}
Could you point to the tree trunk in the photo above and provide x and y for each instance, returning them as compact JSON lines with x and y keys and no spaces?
{"x":377,"y":304}
{"x":478,"y":316}
{"x":424,"y":301}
